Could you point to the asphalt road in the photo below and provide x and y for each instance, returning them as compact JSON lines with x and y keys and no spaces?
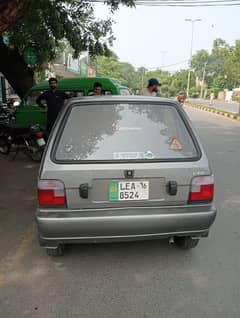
{"x":225,"y":106}
{"x":144,"y":279}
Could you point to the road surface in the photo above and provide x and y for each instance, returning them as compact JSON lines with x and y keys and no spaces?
{"x":135,"y":280}
{"x":225,"y":106}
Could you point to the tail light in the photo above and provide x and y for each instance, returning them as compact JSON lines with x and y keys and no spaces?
{"x":51,"y":193}
{"x":39,"y":134}
{"x":202,"y":189}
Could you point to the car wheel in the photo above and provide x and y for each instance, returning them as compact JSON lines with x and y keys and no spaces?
{"x":186,"y":242}
{"x":55,"y":252}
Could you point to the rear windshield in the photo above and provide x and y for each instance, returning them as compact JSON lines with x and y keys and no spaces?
{"x":124,"y":132}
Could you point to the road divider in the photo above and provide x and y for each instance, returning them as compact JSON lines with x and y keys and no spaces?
{"x":214,"y":110}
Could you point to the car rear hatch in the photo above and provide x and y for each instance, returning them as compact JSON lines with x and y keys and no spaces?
{"x":125,"y":155}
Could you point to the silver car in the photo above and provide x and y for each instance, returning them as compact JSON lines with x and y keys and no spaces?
{"x":123,"y":168}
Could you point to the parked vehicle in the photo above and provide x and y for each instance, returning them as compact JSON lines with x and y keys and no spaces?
{"x":4,"y":116}
{"x":28,"y":140}
{"x":29,"y":113}
{"x":124,"y":168}
{"x":7,"y":115}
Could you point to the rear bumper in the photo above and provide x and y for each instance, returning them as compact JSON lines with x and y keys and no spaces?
{"x":120,"y":224}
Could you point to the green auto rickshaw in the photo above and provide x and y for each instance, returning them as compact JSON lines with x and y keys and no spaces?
{"x":29,"y":113}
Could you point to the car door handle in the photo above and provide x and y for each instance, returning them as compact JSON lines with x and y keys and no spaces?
{"x":83,"y":190}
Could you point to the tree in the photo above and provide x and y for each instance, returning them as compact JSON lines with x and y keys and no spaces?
{"x":231,"y":67}
{"x":128,"y":75}
{"x":11,"y":11}
{"x":141,"y":78}
{"x":110,"y":66}
{"x":44,"y":27}
{"x":219,"y":53}
{"x":220,"y":65}
{"x":199,"y":61}
{"x":179,"y":82}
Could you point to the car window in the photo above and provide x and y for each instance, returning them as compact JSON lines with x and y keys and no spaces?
{"x":124,"y":91}
{"x":108,"y":92}
{"x":124,"y":132}
{"x":79,"y":94}
{"x":72,"y":94}
{"x":31,"y":98}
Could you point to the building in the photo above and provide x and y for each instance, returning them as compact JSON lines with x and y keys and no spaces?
{"x":66,"y":65}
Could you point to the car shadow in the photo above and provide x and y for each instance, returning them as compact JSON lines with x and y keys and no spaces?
{"x":136,"y":249}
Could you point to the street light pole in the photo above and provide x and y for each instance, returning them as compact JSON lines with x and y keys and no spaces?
{"x":191,"y":51}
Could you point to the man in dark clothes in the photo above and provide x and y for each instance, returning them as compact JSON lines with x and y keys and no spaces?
{"x":55,"y":101}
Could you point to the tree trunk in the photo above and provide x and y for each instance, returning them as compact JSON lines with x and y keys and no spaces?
{"x":16,"y":71}
{"x":11,"y":11}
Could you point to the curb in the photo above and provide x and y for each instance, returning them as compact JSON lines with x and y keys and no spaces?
{"x":214,"y":110}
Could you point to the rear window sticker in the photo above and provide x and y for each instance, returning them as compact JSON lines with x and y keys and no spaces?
{"x":130,"y":128}
{"x":128,"y":155}
{"x":133,"y":155}
{"x":175,"y":144}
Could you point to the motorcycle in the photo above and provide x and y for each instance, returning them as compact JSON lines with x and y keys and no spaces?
{"x":7,"y":116}
{"x":28,"y":140}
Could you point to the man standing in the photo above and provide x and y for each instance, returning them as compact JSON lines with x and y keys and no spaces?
{"x":152,"y":88}
{"x":55,"y":101}
{"x":97,"y":89}
{"x":211,"y":98}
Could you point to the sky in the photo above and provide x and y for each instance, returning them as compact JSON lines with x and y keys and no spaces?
{"x":159,"y":37}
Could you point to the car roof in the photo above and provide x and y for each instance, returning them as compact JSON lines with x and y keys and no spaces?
{"x":121,"y":98}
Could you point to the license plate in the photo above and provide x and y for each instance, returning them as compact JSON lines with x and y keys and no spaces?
{"x":128,"y":190}
{"x":41,"y":142}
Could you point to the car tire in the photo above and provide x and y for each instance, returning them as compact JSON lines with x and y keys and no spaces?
{"x":55,"y":252}
{"x":186,"y":242}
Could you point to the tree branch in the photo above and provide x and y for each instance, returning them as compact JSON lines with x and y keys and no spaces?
{"x":11,"y":11}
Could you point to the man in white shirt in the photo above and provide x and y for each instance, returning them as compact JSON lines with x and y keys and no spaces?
{"x":152,"y":88}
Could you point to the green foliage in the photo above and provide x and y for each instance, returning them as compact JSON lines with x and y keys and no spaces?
{"x":222,"y":65}
{"x":129,"y":76}
{"x":199,"y":60}
{"x":214,"y":90}
{"x":195,"y":92}
{"x":179,"y":82}
{"x":111,"y":67}
{"x":222,"y":71}
{"x":48,"y":24}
